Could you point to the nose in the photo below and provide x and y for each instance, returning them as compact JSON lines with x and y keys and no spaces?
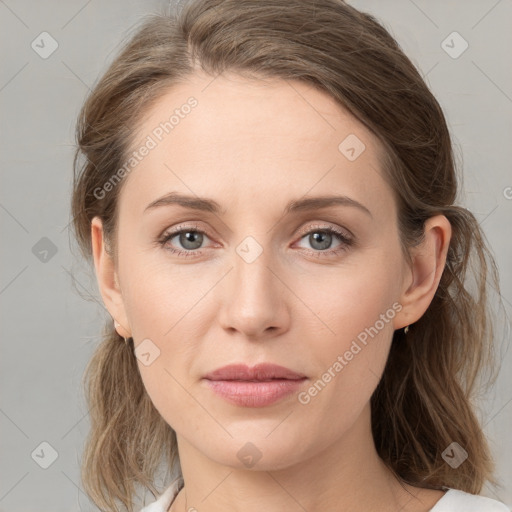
{"x":254,"y":298}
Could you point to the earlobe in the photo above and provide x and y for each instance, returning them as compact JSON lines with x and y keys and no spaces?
{"x":428,"y":263}
{"x":107,"y":279}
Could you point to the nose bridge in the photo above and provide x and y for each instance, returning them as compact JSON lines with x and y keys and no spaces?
{"x":251,"y":272}
{"x":253,"y":278}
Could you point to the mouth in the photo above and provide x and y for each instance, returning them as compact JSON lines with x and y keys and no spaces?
{"x":262,"y":385}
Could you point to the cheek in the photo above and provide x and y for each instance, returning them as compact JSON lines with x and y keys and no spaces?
{"x":348,"y":366}
{"x":165,"y":326}
{"x":157,"y":295}
{"x":166,"y":309}
{"x":353,"y":325}
{"x":344,"y":302}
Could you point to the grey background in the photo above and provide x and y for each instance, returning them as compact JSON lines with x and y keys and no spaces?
{"x":48,"y":331}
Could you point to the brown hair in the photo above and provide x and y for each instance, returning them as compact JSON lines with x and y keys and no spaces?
{"x":424,"y":401}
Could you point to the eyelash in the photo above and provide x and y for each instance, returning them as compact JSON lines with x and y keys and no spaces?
{"x":342,"y":237}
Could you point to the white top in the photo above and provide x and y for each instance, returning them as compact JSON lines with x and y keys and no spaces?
{"x":452,"y":501}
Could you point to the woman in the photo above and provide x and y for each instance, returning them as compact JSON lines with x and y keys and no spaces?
{"x":268,"y":198}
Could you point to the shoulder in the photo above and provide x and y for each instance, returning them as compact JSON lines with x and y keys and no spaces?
{"x":165,"y":500}
{"x":459,"y":501}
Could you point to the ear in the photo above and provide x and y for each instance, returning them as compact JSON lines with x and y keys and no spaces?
{"x":108,"y":282}
{"x":423,"y":276}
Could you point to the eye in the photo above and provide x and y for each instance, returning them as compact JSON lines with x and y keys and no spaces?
{"x":321,"y":239}
{"x":190,"y":238}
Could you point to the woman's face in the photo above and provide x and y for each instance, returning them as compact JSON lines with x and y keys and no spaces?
{"x":258,"y":281}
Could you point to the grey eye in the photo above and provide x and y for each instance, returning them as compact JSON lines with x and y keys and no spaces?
{"x":320,"y":240}
{"x":191,"y":240}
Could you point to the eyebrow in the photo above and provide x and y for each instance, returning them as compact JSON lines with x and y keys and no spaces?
{"x":299,"y":205}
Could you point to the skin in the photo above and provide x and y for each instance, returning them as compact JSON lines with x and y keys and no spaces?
{"x":252,"y":146}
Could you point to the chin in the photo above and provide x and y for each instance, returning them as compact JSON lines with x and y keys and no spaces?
{"x":256,"y":451}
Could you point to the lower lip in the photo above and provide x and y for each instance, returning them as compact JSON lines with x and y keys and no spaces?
{"x":254,"y":394}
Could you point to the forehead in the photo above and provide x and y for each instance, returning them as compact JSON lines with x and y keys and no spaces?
{"x":241,"y":139}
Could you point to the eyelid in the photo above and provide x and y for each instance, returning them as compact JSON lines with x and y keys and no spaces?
{"x":307,"y":229}
{"x":171,"y":232}
{"x":341,"y":230}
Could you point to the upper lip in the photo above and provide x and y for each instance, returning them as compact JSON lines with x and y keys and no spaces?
{"x":262,"y":371}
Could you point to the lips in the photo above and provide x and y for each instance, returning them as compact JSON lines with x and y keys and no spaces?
{"x":260,"y":386}
{"x":260,"y":372}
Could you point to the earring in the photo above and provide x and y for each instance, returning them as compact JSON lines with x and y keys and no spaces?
{"x":117,"y":325}
{"x":406,"y":330}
